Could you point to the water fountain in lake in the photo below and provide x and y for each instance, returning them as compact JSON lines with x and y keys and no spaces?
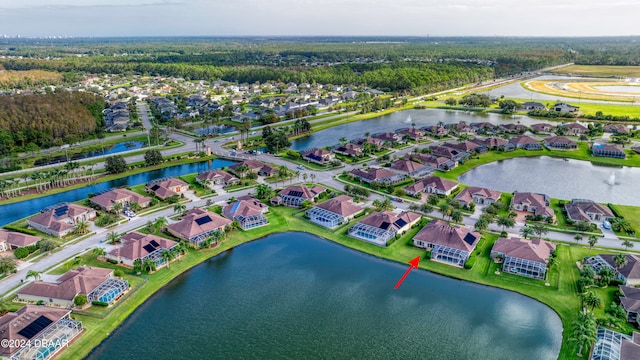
{"x":612,"y":179}
{"x":408,"y":119}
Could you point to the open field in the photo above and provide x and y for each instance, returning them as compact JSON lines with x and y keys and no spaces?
{"x":19,"y":78}
{"x":599,"y":70}
{"x":576,"y":90}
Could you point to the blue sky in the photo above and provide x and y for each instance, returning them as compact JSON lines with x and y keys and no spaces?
{"x":319,"y":17}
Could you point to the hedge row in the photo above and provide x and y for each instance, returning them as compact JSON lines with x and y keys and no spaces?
{"x":22,"y":230}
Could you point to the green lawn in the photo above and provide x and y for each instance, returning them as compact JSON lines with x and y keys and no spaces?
{"x":631,"y":214}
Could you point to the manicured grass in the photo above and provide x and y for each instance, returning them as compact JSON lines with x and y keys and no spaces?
{"x":631,"y":214}
{"x":600,"y":70}
{"x":553,"y":87}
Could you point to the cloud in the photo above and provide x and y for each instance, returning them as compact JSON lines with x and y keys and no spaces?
{"x":32,"y":4}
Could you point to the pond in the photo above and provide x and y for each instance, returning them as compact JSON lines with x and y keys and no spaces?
{"x":297,"y":296}
{"x":402,"y":119}
{"x":559,"y":178}
{"x":19,"y":210}
{"x":214,"y":130}
{"x":117,"y":148}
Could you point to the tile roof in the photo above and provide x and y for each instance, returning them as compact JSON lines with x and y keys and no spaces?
{"x":109,"y":198}
{"x":433,"y":182}
{"x":17,"y":239}
{"x":302,"y":191}
{"x":12,"y":323}
{"x":631,"y":270}
{"x":134,"y":245}
{"x":528,"y":249}
{"x":466,"y":195}
{"x":80,"y":281}
{"x":245,"y":207}
{"x":196,"y":223}
{"x":441,"y":233}
{"x":374,"y":174}
{"x":387,"y":219}
{"x":341,"y":205}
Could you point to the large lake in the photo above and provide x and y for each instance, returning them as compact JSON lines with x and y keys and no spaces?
{"x":559,"y":178}
{"x":297,"y":296}
{"x":402,"y":119}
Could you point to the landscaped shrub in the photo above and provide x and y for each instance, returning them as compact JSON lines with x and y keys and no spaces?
{"x":470,"y":262}
{"x":118,"y":273}
{"x":112,"y":261}
{"x":100,"y":303}
{"x":22,"y":230}
{"x":80,"y":300}
{"x":21,"y":253}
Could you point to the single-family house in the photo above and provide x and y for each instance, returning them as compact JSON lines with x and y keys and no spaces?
{"x":353,"y":150}
{"x":477,"y":195}
{"x":107,"y":200}
{"x":164,"y":188}
{"x":333,"y":212}
{"x":411,"y":168}
{"x":537,"y":204}
{"x":138,"y":246}
{"x":467,"y":146}
{"x":373,"y":142}
{"x":211,"y":178}
{"x":564,"y":108}
{"x":532,"y":105}
{"x":574,"y":128}
{"x":616,"y":129}
{"x":254,"y":166}
{"x":608,"y":150}
{"x":612,"y":345}
{"x":629,"y":274}
{"x":449,"y":153}
{"x":432,"y":185}
{"x":525,"y":142}
{"x":248,"y":212}
{"x":542,"y":128}
{"x":25,"y":330}
{"x":198,"y":225}
{"x":379,"y":227}
{"x":97,"y":284}
{"x":436,"y":130}
{"x":448,"y":244}
{"x":495,"y":143}
{"x":10,"y":240}
{"x":380,"y":175}
{"x":524,"y":257}
{"x":587,"y":210}
{"x":411,"y":133}
{"x":559,"y":142}
{"x":483,"y":127}
{"x":630,"y":301}
{"x":388,"y":137}
{"x":319,"y":156}
{"x":59,"y":220}
{"x":513,"y":128}
{"x":295,"y":195}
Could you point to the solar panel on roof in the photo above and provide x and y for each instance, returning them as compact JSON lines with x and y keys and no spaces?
{"x":203,"y":220}
{"x":385,"y":225}
{"x":400,"y":223}
{"x":35,"y":327}
{"x":295,"y":193}
{"x":155,"y":187}
{"x":60,"y":211}
{"x":154,"y":243}
{"x":149,"y":248}
{"x":469,"y":239}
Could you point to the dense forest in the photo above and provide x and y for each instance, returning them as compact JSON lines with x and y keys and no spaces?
{"x":28,"y":122}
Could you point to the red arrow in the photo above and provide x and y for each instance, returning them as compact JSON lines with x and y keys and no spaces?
{"x":414,"y":265}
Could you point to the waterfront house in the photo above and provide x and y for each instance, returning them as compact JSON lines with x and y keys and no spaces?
{"x":388,"y":138}
{"x":380,"y":175}
{"x":254,"y":166}
{"x":618,"y":129}
{"x":211,"y":178}
{"x":379,"y":227}
{"x":449,"y":153}
{"x":197,"y":225}
{"x":10,"y":240}
{"x":525,"y":142}
{"x":319,"y":156}
{"x":612,"y":345}
{"x":479,"y":196}
{"x":411,"y":133}
{"x":608,"y":150}
{"x":483,"y":127}
{"x":248,"y":212}
{"x":436,"y":162}
{"x":495,"y":143}
{"x":564,"y":108}
{"x":540,"y":128}
{"x":532,"y":105}
{"x":448,"y":244}
{"x":97,"y":284}
{"x":630,"y":301}
{"x":138,"y":246}
{"x":629,"y":274}
{"x":432,"y":185}
{"x":410,"y":168}
{"x":524,"y":257}
{"x":587,"y":210}
{"x":25,"y":330}
{"x":559,"y":142}
{"x":467,"y":146}
{"x":59,"y":220}
{"x":436,"y":130}
{"x":537,"y":204}
{"x":461,"y":128}
{"x":333,"y":212}
{"x":107,"y":200}
{"x":295,"y":195}
{"x":164,"y":188}
{"x":353,"y":150}
{"x":513,"y":128}
{"x":574,"y":128}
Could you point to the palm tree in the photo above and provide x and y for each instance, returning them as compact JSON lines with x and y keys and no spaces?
{"x":304,"y":177}
{"x":426,"y":208}
{"x":81,"y":227}
{"x":160,"y":223}
{"x":482,"y":224}
{"x":181,"y":248}
{"x":591,"y":300}
{"x":526,"y":231}
{"x":113,"y":237}
{"x":179,"y":208}
{"x":584,"y":332}
{"x":382,"y":205}
{"x":445,"y":209}
{"x":539,"y":230}
{"x":593,"y":240}
{"x":167,"y":256}
{"x":150,"y":227}
{"x":149,"y":265}
{"x":433,"y":200}
{"x":457,"y":216}
{"x":34,"y":274}
{"x":505,"y":221}
{"x":627,"y":244}
{"x":135,"y":207}
{"x":578,"y":238}
{"x":620,"y":260}
{"x":313,"y":177}
{"x":117,"y":207}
